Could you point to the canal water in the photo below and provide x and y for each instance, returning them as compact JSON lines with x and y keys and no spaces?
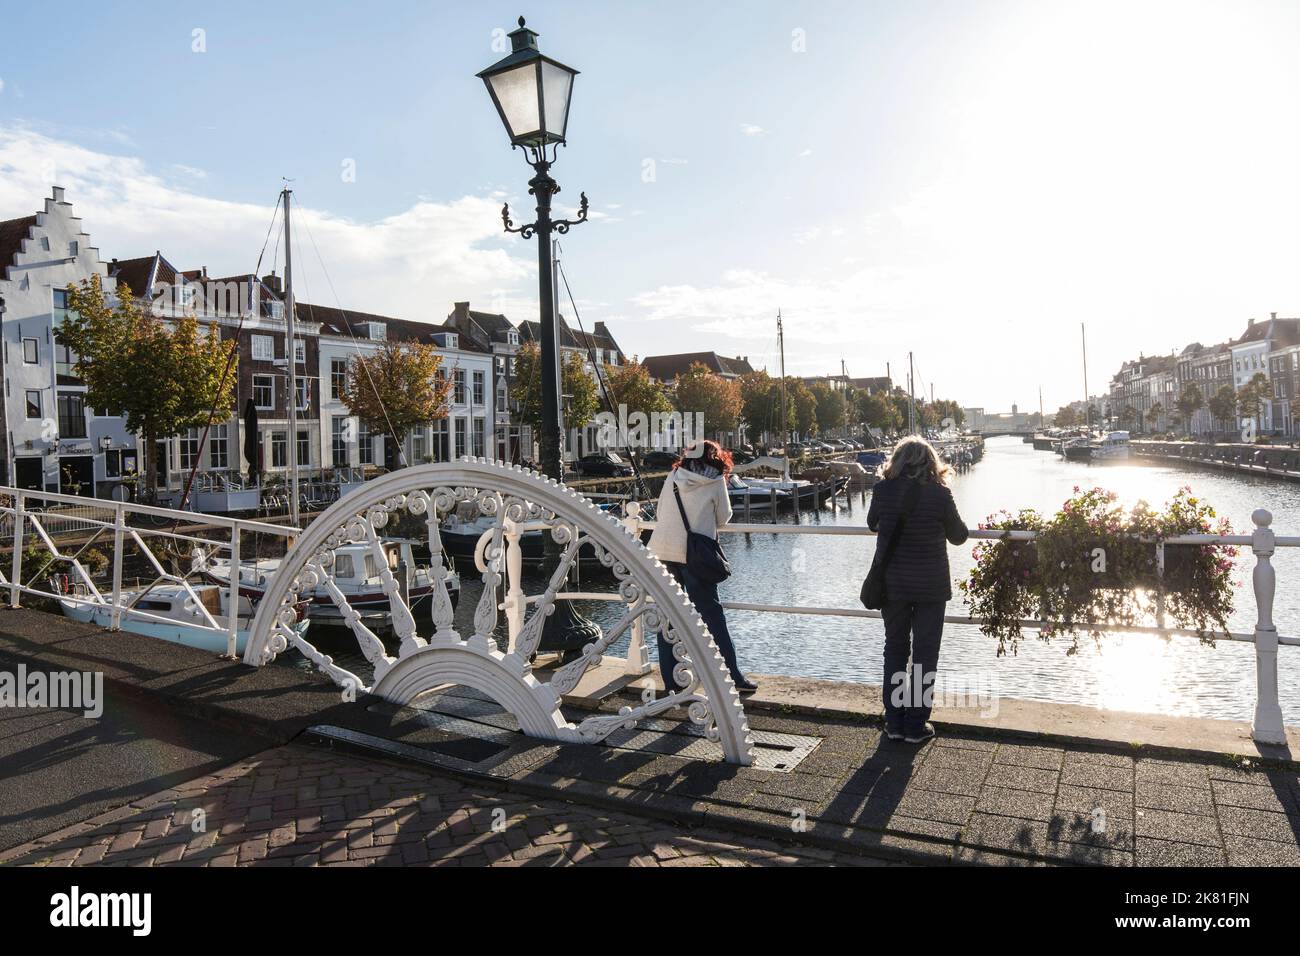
{"x":1136,"y":672}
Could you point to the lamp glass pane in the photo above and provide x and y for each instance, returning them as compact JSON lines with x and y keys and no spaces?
{"x":556,"y":82}
{"x":516,"y":91}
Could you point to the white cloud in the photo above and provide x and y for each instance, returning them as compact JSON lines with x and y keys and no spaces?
{"x":413,"y":264}
{"x":749,"y":129}
{"x":2,"y":85}
{"x":805,"y":152}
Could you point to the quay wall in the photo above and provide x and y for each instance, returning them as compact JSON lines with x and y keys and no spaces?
{"x":1278,"y":461}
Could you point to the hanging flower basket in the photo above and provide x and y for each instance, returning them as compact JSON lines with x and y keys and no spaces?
{"x":1094,"y":566}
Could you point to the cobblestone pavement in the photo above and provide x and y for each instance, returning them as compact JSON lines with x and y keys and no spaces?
{"x":305,"y":806}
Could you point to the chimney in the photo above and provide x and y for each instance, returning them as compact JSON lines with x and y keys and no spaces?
{"x":272,"y":282}
{"x":460,"y":317}
{"x":1250,"y":322}
{"x":1273,"y":315}
{"x":58,"y":194}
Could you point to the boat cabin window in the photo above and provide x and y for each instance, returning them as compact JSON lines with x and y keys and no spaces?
{"x":153,"y":605}
{"x":372,"y":566}
{"x":343,"y":566}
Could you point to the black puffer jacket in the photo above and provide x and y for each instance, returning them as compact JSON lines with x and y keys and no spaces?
{"x":918,"y":570}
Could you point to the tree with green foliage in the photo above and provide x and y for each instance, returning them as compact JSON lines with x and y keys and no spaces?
{"x":760,"y":397}
{"x":167,"y":375}
{"x":581,"y":396}
{"x":1223,"y":405}
{"x":630,"y":385}
{"x":831,"y":408}
{"x":1251,"y":399}
{"x":398,"y":388}
{"x":699,"y":391}
{"x":802,"y":405}
{"x":1189,"y":403}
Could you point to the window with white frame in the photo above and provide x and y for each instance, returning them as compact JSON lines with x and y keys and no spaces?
{"x":460,"y":437}
{"x":366,"y":443}
{"x":263,"y":348}
{"x":459,"y":397}
{"x":338,"y":441}
{"x":304,"y":447}
{"x":479,"y":396}
{"x":264,"y":392}
{"x":480,"y":437}
{"x":441,"y":447}
{"x":303,"y":386}
{"x":31,"y":351}
{"x":189,"y":448}
{"x":279,"y":449}
{"x":338,"y":377}
{"x":219,"y":446}
{"x":300,"y":352}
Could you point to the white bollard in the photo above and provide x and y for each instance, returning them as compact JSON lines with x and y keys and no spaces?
{"x":1267,"y":727}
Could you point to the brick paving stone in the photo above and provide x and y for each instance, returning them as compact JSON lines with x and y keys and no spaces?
{"x":1006,"y":802}
{"x":1030,"y":755}
{"x":1244,"y":851}
{"x":1179,"y":827}
{"x":1098,"y":775}
{"x":1169,"y":795}
{"x":1229,"y":794}
{"x":1260,"y":825}
{"x":378,"y":823}
{"x":1022,"y":778}
{"x":1151,"y":852}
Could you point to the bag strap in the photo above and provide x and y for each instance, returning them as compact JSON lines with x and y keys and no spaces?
{"x":910,"y":497}
{"x":682,"y":508}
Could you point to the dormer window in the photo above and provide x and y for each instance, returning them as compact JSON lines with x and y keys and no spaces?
{"x":448,"y":340}
{"x":376,"y":331}
{"x":512,"y":337}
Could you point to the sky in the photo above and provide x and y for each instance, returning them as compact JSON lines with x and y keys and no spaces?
{"x":969,"y":180}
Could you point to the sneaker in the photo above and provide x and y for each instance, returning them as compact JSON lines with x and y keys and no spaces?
{"x":744,"y":685}
{"x":893,"y":733}
{"x":921,"y":736}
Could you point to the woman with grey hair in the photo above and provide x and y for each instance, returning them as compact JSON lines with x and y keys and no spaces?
{"x":914,"y":514}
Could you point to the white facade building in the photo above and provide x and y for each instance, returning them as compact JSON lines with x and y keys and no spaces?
{"x":52,"y":440}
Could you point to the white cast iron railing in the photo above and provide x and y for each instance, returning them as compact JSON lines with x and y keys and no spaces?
{"x":517,"y":502}
{"x":1267,"y":726}
{"x":62,"y":528}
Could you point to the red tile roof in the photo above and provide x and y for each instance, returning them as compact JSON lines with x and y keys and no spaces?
{"x":12,"y":234}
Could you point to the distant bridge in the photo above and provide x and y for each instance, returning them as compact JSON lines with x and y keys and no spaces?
{"x":999,"y":432}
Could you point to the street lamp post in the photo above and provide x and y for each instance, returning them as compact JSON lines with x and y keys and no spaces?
{"x":531,"y":93}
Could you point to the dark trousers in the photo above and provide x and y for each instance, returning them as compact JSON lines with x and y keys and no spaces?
{"x":912,"y":629}
{"x":705,"y":598}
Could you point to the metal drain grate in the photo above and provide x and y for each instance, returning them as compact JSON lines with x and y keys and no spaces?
{"x":470,"y":714}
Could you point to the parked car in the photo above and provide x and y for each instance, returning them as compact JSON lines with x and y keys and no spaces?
{"x":604,"y":464}
{"x":657,"y":460}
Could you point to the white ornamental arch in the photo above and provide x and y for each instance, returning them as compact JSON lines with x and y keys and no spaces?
{"x":517,"y":502}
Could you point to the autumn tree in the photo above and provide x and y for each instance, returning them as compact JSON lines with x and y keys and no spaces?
{"x":166,"y":375}
{"x":630,"y":385}
{"x":581,"y":396}
{"x":760,"y":396}
{"x":802,"y":406}
{"x":875,"y":411}
{"x":1251,"y":398}
{"x":700,"y":391}
{"x":1223,"y":404}
{"x":1189,"y":403}
{"x":397,"y":388}
{"x":831,"y":407}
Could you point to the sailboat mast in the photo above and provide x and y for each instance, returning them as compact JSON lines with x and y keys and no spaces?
{"x":290,"y":361}
{"x":1087,"y":402}
{"x":785,"y":419}
{"x":911,"y":396}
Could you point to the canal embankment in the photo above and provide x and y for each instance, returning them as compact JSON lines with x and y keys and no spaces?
{"x":1272,"y":461}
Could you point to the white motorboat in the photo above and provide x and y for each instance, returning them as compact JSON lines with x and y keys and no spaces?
{"x":357,"y":572}
{"x":195,"y":616}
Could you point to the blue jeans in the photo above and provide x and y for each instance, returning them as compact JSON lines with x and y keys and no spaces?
{"x":705,"y":598}
{"x":915,"y":629}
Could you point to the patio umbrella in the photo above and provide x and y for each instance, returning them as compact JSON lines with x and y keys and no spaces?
{"x":252,"y":448}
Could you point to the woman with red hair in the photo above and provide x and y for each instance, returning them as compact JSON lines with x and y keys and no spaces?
{"x":696,"y":489}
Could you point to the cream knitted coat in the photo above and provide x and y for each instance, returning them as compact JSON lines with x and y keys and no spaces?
{"x":707,"y":507}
